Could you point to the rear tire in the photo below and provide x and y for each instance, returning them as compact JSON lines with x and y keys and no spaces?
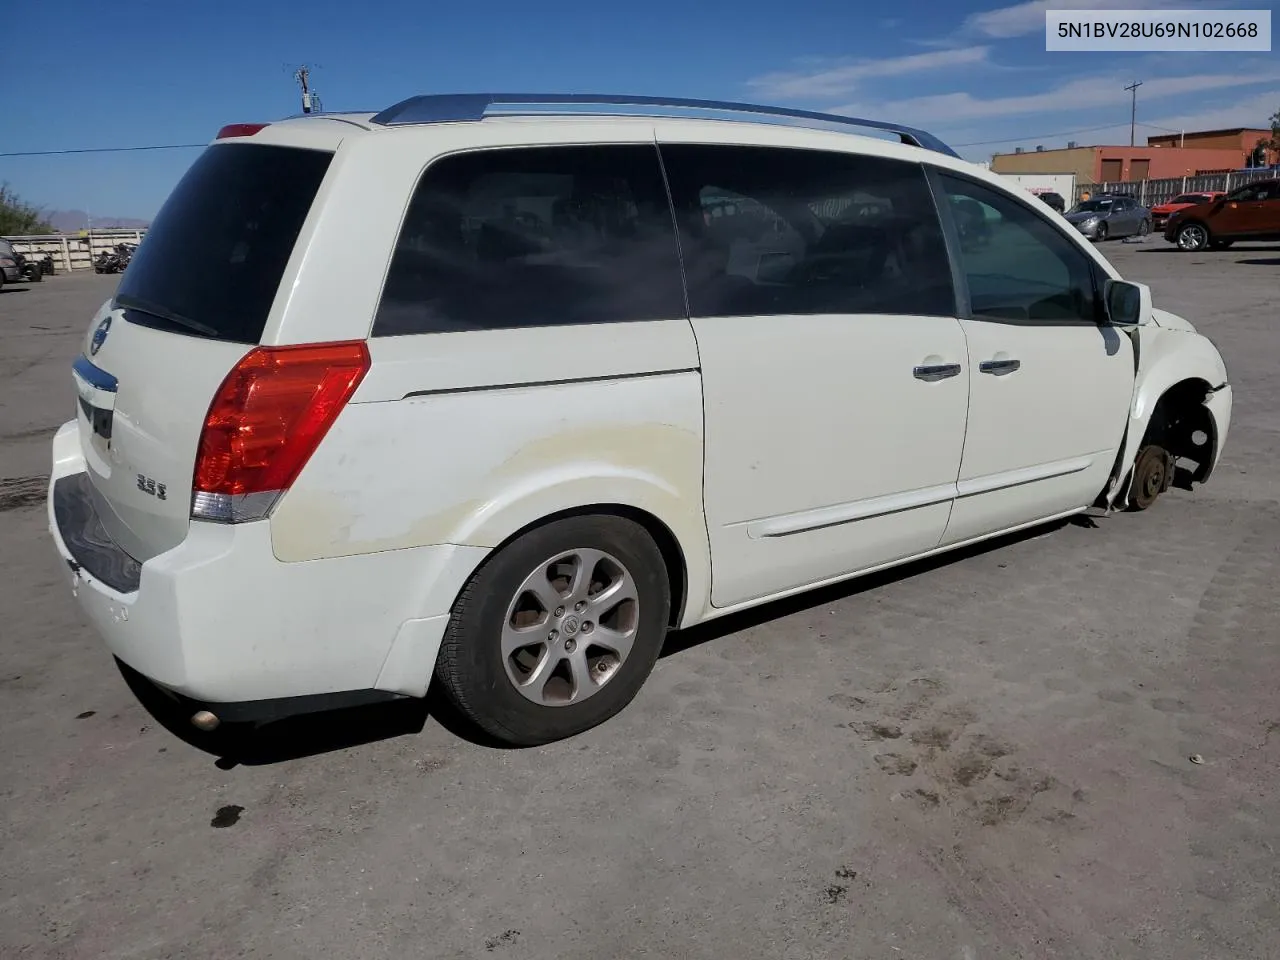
{"x":1144,"y":228}
{"x":529,"y":640}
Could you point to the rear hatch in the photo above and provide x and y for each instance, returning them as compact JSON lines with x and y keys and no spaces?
{"x":193,"y":301}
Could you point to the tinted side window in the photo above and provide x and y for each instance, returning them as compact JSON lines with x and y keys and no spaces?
{"x":1017,"y":264}
{"x":1249,"y":192}
{"x":534,"y":237}
{"x":769,"y":230}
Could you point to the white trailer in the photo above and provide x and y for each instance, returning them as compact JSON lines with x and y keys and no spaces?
{"x":1063,"y":184}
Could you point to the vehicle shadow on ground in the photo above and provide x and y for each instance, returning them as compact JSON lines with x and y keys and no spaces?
{"x":1233,"y":249}
{"x":683,"y":640}
{"x":303,"y":736}
{"x":1262,"y":262}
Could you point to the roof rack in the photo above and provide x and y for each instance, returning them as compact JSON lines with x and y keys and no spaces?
{"x":458,"y":107}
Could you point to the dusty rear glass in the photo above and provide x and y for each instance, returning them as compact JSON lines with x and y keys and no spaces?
{"x":213,"y":258}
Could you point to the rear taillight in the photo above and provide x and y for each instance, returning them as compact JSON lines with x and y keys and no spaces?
{"x":265,"y":422}
{"x":240,"y":130}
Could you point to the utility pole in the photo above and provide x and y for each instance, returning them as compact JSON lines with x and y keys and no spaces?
{"x":310,"y":99}
{"x":1133,"y":110}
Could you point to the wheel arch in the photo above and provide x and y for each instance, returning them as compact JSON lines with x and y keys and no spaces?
{"x":1169,"y":415}
{"x":673,"y":552}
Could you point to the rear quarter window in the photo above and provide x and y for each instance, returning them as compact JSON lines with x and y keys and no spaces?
{"x":215,"y":254}
{"x":531,"y":237}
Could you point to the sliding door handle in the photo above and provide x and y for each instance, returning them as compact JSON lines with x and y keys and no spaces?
{"x":999,"y":366}
{"x":936,"y":371}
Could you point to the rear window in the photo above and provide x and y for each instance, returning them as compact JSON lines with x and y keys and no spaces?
{"x":215,"y":254}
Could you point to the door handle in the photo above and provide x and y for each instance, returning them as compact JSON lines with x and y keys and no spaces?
{"x":936,"y":371}
{"x":999,"y":366}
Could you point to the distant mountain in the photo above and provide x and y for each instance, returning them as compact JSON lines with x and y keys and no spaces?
{"x":73,"y":221}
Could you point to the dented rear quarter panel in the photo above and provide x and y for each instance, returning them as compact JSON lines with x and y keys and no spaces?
{"x":467,"y":439}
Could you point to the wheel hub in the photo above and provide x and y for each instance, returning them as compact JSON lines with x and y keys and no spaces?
{"x":570,"y":627}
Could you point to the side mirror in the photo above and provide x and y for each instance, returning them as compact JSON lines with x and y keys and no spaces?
{"x":1128,"y":303}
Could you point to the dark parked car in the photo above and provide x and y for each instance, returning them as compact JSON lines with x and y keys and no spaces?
{"x":1053,"y":200}
{"x":1107,"y":215}
{"x":10,"y":267}
{"x":1251,"y":212}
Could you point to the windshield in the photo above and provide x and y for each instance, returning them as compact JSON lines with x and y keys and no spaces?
{"x":1190,"y":198}
{"x":216,"y":252}
{"x":1092,"y":206}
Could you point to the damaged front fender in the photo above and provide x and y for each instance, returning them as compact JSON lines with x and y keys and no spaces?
{"x":1183,"y":369}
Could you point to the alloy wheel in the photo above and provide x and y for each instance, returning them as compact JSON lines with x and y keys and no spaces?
{"x":570,"y":627}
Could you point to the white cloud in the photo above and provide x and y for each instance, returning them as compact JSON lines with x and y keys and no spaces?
{"x":1089,"y":93}
{"x":1024,"y":18}
{"x":1248,"y":111}
{"x":1252,"y":111}
{"x":840,"y":80}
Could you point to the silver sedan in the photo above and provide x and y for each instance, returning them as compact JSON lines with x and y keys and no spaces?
{"x":1106,"y":216}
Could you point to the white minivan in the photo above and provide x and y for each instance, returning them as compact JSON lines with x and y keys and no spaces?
{"x":497,"y":390}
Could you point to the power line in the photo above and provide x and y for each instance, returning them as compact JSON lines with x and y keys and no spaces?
{"x":54,"y":153}
{"x":1061,"y":133}
{"x":1039,"y":136}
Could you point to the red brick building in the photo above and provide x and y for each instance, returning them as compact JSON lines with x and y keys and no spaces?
{"x":1243,"y":140}
{"x":1097,"y":164}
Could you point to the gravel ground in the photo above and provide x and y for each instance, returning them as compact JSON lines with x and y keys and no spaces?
{"x":982,"y":756}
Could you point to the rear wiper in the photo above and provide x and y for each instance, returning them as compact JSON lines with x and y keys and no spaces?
{"x":146,"y":306}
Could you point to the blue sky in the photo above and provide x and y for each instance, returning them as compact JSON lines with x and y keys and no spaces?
{"x":138,"y":72}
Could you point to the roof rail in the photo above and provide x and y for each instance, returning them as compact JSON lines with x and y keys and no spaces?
{"x":457,"y":107}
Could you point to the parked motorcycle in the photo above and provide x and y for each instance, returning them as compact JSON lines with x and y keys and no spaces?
{"x":30,"y":269}
{"x":114,"y":260}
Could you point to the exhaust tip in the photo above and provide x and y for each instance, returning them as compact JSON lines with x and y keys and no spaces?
{"x":204,"y":720}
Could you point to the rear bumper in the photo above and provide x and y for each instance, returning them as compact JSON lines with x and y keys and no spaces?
{"x":219,"y":621}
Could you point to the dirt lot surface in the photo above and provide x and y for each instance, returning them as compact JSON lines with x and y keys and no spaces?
{"x":986,"y":756}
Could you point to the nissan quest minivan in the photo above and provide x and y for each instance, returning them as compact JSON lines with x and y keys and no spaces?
{"x":493,"y":391}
